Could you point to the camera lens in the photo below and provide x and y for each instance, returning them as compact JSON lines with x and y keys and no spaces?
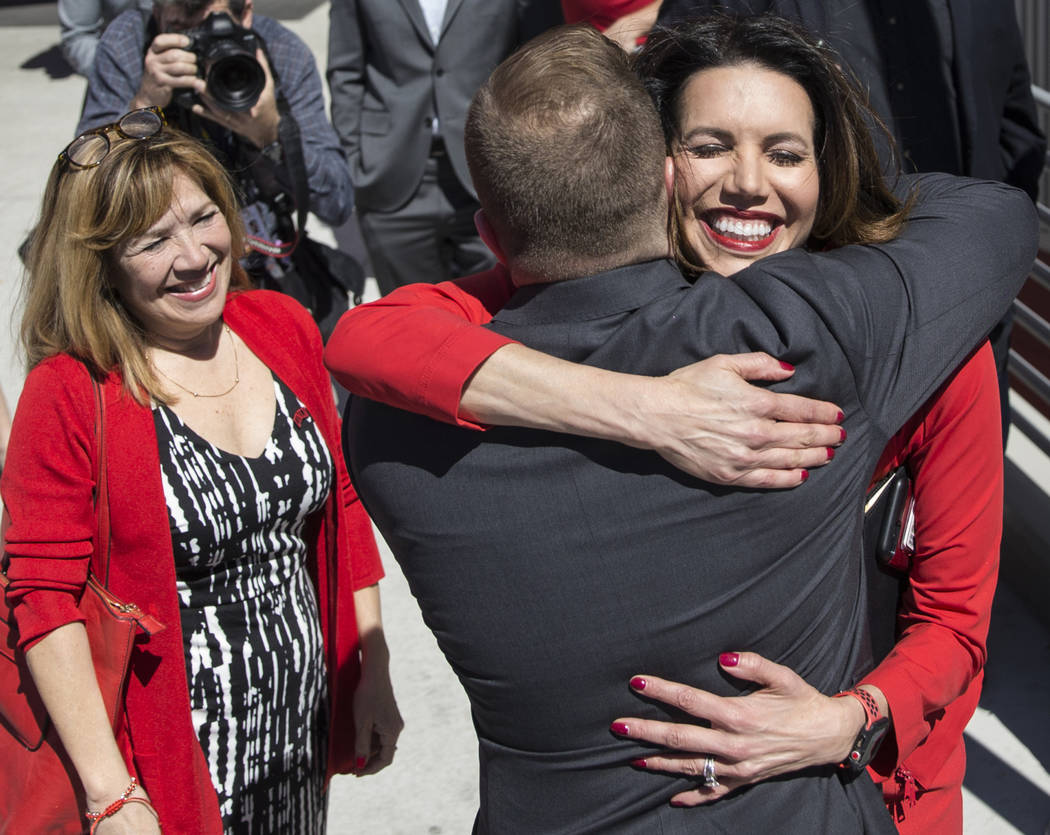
{"x":236,"y":81}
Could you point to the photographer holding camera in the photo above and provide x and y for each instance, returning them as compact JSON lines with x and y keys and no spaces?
{"x":249,"y":88}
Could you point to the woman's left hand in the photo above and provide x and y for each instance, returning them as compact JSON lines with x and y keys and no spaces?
{"x":377,"y":721}
{"x":784,"y":726}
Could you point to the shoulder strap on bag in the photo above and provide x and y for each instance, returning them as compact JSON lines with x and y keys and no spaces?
{"x":102,"y":542}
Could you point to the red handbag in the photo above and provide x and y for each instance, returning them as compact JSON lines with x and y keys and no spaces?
{"x":41,"y":791}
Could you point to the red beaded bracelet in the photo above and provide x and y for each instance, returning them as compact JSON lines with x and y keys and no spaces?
{"x":117,"y":805}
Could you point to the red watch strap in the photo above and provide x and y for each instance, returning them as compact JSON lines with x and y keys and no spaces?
{"x":871,"y":707}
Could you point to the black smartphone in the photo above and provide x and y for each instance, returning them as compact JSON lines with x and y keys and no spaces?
{"x":889,"y":518}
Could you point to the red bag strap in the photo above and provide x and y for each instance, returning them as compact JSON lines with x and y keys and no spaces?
{"x":5,"y":522}
{"x":102,"y":542}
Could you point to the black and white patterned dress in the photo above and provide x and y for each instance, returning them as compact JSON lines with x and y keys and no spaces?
{"x":250,"y":622}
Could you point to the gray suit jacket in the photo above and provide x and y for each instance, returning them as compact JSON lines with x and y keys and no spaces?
{"x":551,"y":568}
{"x":389,"y":81}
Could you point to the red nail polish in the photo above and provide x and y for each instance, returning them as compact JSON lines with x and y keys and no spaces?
{"x":638,"y":683}
{"x":831,"y":453}
{"x":787,"y":366}
{"x":842,"y":433}
{"x":840,"y":417}
{"x":677,"y":803}
{"x":361,"y":762}
{"x":639,"y":763}
{"x":619,"y":728}
{"x":805,"y":474}
{"x":729,"y":659}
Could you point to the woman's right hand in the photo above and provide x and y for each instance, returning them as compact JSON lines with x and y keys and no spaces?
{"x":709,"y":420}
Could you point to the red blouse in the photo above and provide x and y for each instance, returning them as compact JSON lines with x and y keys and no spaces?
{"x":932,"y":679}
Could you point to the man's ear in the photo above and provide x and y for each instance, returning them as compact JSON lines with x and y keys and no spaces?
{"x":488,"y":235}
{"x":246,"y":16}
{"x":669,"y":178}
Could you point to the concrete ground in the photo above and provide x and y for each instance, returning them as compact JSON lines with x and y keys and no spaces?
{"x":432,"y":786}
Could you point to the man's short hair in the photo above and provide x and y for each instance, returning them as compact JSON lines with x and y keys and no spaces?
{"x":567,"y":156}
{"x":192,"y":7}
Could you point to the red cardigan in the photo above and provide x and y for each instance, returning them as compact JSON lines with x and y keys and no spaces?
{"x":47,"y":486}
{"x":932,"y":679}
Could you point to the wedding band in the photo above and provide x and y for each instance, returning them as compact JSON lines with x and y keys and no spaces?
{"x":710,"y":780}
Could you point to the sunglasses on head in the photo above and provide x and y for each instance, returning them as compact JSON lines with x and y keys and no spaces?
{"x":90,"y":148}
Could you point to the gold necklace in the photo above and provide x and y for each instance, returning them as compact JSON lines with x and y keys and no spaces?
{"x":236,"y":371}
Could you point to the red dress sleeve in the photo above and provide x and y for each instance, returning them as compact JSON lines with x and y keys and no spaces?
{"x":953,"y":450}
{"x":417,"y":347}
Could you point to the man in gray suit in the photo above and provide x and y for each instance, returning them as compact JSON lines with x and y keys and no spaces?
{"x":401,"y":74}
{"x":551,"y":567}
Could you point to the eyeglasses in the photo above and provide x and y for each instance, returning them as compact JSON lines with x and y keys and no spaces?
{"x":89,"y":149}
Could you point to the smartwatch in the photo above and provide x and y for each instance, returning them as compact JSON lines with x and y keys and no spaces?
{"x":870,"y":737}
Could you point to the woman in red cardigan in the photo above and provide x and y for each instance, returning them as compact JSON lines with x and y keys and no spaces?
{"x":233,"y":521}
{"x":744,"y":157}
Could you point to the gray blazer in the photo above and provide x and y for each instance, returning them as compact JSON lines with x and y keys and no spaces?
{"x":389,"y":81}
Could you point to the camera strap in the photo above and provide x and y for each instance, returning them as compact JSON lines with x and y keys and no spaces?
{"x":292,"y":151}
{"x":276,"y":187}
{"x":290,"y":139}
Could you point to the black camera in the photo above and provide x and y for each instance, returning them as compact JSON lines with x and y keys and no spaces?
{"x":226,"y":61}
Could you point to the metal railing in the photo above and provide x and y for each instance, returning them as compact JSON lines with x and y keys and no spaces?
{"x":1026,"y":524}
{"x":1029,"y":363}
{"x":1033,"y":17}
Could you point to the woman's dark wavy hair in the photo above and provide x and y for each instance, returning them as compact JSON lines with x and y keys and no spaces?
{"x":855,"y":204}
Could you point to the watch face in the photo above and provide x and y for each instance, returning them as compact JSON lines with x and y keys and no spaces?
{"x":867,"y":744}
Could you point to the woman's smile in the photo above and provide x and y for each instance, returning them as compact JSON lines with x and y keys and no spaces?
{"x":745,"y":232}
{"x":194,"y":291}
